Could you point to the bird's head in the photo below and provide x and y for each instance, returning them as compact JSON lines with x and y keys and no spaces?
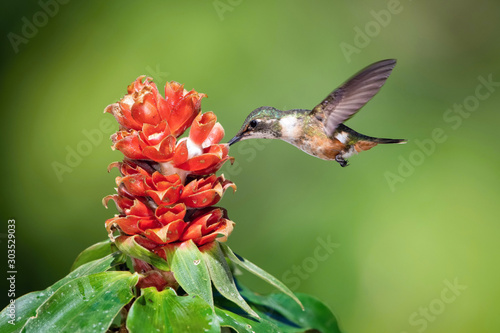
{"x":261,"y":123}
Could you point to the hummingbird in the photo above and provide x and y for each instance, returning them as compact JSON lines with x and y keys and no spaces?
{"x":321,"y":132}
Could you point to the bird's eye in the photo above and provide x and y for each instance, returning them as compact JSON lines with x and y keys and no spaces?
{"x":252,"y":124}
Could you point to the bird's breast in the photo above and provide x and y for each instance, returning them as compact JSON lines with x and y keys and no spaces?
{"x":319,"y":146}
{"x":290,"y":127}
{"x":309,"y":136}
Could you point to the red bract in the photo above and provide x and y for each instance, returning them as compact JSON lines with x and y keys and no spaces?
{"x":153,"y":277}
{"x":167,"y":190}
{"x":144,"y":105}
{"x":206,"y":226}
{"x":150,"y":125}
{"x":168,"y":185}
{"x":205,"y":191}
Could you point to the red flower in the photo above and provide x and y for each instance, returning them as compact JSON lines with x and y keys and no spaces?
{"x":207,"y":225}
{"x":150,"y":125}
{"x":144,"y":105}
{"x":166,"y":190}
{"x":134,"y":219}
{"x":205,"y":191}
{"x":167,"y":186}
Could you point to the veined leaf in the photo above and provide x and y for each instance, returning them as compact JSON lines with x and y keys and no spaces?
{"x":130,"y":247}
{"x":315,"y":316}
{"x":270,"y":320}
{"x":222,"y":277}
{"x":254,"y":269}
{"x":88,"y":303}
{"x":25,"y":306}
{"x":166,"y":312}
{"x":243,"y":324}
{"x":190,"y":271}
{"x":94,"y":252}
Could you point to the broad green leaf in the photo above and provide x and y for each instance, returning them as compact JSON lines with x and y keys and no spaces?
{"x":94,"y":252}
{"x":190,"y":271}
{"x":86,"y":304}
{"x":222,"y":277}
{"x":252,"y":268}
{"x":130,"y":247}
{"x":164,"y":311}
{"x":26,"y":305}
{"x":244,"y":324}
{"x":315,"y":316}
{"x":270,"y":320}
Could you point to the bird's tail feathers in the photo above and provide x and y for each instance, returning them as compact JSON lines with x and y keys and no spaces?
{"x":362,"y":137}
{"x":384,"y":141}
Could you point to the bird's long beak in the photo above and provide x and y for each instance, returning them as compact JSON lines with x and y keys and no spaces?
{"x":234,"y":140}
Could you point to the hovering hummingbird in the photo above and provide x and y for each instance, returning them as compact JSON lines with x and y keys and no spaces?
{"x":321,"y":132}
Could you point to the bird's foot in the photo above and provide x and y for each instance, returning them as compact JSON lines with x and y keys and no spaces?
{"x":341,"y":161}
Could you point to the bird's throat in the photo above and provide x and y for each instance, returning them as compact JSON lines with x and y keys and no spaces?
{"x":291,"y":128}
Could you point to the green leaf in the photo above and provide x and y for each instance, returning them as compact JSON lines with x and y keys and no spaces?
{"x":252,"y":268}
{"x":86,"y":304}
{"x":315,"y":316}
{"x":94,"y":252}
{"x":222,"y":277}
{"x":270,"y":320}
{"x":164,"y":311}
{"x":190,"y":271}
{"x":26,"y":305}
{"x":130,"y":247}
{"x":243,"y":324}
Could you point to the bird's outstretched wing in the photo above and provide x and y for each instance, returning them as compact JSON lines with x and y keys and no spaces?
{"x":347,"y":99}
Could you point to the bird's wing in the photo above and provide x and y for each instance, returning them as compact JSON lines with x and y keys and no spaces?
{"x":347,"y":99}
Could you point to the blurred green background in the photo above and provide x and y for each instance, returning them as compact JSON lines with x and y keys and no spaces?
{"x":407,"y":221}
